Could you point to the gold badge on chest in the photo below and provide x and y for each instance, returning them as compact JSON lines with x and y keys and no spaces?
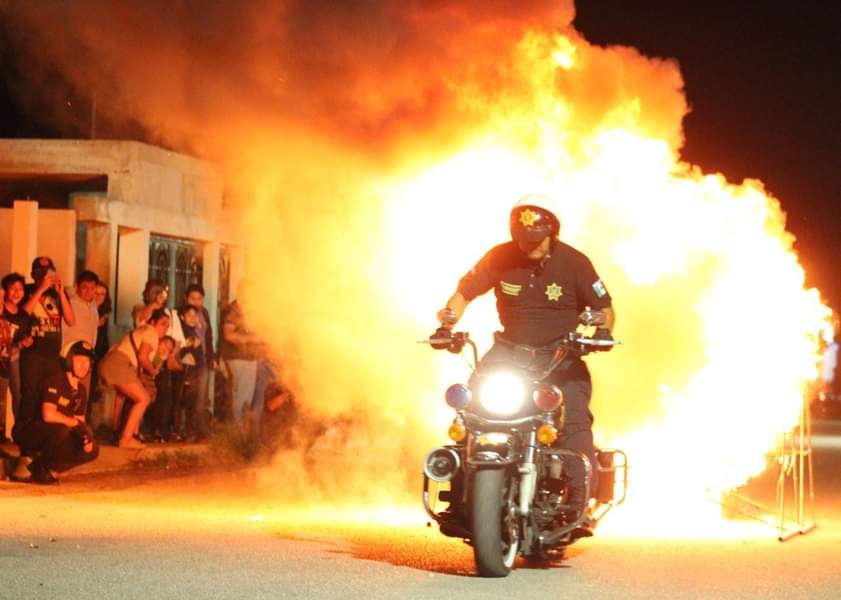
{"x":554,"y":292}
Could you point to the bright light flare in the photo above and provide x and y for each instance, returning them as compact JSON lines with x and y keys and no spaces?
{"x":502,"y":394}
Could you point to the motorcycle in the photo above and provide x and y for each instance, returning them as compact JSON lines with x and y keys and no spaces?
{"x":508,"y":490}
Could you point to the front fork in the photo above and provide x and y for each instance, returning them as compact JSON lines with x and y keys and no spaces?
{"x":528,"y":475}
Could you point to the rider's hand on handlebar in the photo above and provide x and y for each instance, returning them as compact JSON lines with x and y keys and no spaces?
{"x":447,"y":317}
{"x":604,"y":334}
{"x":441,"y":339}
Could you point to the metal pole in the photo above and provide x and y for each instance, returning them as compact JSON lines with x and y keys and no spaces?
{"x":811,"y":470}
{"x":800,"y":464}
{"x":781,"y":487}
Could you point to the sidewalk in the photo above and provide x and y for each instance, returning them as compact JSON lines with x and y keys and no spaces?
{"x":110,"y":458}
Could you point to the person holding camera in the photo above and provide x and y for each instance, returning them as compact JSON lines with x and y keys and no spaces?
{"x":58,"y":438}
{"x":47,"y":304}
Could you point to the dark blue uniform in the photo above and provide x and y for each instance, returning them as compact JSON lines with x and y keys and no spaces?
{"x":53,"y":445}
{"x":538,"y":304}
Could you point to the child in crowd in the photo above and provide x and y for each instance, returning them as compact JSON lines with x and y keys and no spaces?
{"x":166,"y":346}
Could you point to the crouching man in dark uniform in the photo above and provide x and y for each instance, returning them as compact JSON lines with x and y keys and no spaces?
{"x":541,"y":286}
{"x":58,"y":438}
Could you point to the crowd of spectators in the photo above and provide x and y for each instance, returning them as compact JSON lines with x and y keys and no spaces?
{"x":56,"y":362}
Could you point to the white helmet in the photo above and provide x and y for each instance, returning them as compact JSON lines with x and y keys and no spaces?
{"x":533,"y":218}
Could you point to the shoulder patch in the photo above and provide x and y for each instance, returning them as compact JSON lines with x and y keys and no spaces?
{"x":52,"y":390}
{"x":599,"y":288}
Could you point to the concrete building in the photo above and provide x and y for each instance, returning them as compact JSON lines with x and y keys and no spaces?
{"x":125,"y":210}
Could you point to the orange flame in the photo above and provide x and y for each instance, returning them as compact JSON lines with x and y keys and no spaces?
{"x":719,"y":332}
{"x":356,"y":237}
{"x":377,"y":150}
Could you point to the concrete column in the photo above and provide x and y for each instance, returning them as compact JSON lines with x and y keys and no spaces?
{"x":98,"y":256}
{"x":57,"y":239}
{"x":132,"y":271}
{"x":24,"y":236}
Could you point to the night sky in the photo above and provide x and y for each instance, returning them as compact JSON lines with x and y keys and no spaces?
{"x":764,"y":83}
{"x":762,"y":79}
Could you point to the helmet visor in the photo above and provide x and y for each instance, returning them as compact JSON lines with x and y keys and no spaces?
{"x":531,"y":224}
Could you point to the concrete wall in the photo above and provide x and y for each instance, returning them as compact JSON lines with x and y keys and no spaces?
{"x":138,"y":174}
{"x":55,"y":236}
{"x":132,"y":269}
{"x":57,"y":239}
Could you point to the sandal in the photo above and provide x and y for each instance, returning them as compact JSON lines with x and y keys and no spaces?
{"x":131,"y":444}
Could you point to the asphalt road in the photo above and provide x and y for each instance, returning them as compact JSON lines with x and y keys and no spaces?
{"x":224,"y":535}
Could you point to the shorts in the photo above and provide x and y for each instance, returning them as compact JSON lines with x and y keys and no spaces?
{"x":115,"y":368}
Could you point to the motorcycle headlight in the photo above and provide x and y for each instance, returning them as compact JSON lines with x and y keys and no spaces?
{"x":502,"y":394}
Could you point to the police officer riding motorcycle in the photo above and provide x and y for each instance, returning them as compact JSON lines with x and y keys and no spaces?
{"x":536,"y":461}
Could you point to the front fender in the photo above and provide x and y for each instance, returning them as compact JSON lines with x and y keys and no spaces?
{"x":491,"y":450}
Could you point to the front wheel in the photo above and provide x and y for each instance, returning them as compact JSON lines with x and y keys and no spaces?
{"x":492,"y":521}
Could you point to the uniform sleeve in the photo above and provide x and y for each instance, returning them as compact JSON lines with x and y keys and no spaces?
{"x":478,"y":280}
{"x":590,"y":289}
{"x":51,"y":394}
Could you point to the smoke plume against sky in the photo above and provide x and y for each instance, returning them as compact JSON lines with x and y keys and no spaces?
{"x":369,"y":73}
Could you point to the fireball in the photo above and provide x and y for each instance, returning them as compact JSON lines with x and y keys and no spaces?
{"x":373,"y":151}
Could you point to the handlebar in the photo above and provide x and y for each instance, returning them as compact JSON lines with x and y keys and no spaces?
{"x":587,"y":344}
{"x":574,"y":343}
{"x":454,"y":343}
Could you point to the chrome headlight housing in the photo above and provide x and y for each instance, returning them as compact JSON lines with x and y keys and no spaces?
{"x":502,"y":393}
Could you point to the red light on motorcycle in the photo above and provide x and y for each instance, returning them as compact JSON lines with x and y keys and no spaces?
{"x":548,"y":398}
{"x":457,"y":431}
{"x":547,"y":434}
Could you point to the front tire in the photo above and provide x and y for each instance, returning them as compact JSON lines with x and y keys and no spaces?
{"x":495,"y":539}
